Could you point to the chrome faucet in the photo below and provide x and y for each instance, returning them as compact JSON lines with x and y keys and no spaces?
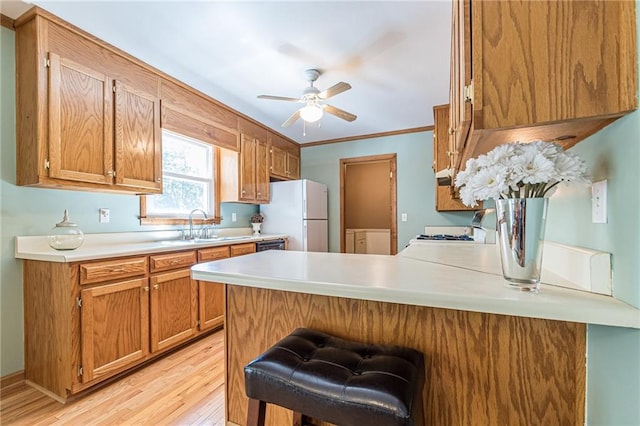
{"x":191,"y":237}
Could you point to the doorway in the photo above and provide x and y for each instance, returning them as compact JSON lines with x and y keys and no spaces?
{"x":368,"y":205}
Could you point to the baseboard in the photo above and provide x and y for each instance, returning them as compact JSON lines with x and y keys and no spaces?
{"x":12,"y":379}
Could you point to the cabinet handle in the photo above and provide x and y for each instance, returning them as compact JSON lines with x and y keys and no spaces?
{"x":155,"y":286}
{"x":110,"y":173}
{"x":146,"y":288}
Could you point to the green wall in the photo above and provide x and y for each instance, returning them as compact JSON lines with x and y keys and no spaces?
{"x":415,"y":181}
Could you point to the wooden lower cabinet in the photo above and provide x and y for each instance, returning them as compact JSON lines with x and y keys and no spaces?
{"x":174,"y":309}
{"x":211,"y":295}
{"x":211,"y":304}
{"x":115,"y":327}
{"x":88,"y":321}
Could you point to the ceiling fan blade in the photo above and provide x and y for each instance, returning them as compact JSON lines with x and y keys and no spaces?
{"x":278,"y":98}
{"x":339,"y":113}
{"x":291,"y":119}
{"x":334,"y":90}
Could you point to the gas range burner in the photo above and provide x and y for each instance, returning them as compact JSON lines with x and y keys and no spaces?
{"x":445,"y":237}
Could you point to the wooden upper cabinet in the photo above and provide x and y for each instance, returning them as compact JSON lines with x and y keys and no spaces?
{"x":554,"y":71}
{"x":87,"y":117}
{"x":447,"y":198}
{"x":293,"y":166}
{"x":285,"y":158}
{"x":262,"y":171}
{"x":245,"y":174}
{"x":138,"y":139}
{"x":80,"y":118}
{"x":247,"y":168}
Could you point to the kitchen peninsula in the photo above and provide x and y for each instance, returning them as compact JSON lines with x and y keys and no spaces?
{"x":493,"y":355}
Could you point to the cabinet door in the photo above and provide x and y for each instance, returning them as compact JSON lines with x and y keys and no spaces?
{"x":211,"y":304}
{"x":173,"y":309}
{"x":447,"y":198}
{"x":461,"y":107}
{"x":262,"y":171}
{"x":278,"y":162}
{"x":80,"y":125}
{"x":247,"y":173}
{"x":114,"y":327}
{"x":293,"y":166}
{"x":138,"y":140}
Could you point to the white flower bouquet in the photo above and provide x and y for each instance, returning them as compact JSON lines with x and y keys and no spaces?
{"x":519,"y":170}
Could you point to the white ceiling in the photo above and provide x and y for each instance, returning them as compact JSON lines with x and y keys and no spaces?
{"x":394,"y":54}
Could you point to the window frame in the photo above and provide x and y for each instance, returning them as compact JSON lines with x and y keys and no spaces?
{"x":145,"y":219}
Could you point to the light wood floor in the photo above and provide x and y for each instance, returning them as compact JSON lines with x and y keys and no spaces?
{"x":184,"y":388}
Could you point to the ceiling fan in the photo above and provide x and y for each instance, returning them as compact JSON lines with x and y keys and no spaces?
{"x":312,"y":98}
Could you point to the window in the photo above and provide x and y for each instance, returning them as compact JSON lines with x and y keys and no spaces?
{"x":188,"y":181}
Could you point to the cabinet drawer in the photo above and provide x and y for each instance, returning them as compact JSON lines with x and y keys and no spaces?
{"x":112,"y":269}
{"x":240,"y":249}
{"x":213,"y":253}
{"x":163,"y":262}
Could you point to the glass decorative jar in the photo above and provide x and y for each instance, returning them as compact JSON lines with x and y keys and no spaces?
{"x":65,"y":235}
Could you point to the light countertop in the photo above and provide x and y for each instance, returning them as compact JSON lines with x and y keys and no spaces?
{"x":102,"y":246}
{"x":422,"y":282}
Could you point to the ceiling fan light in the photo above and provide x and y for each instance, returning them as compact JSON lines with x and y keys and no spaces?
{"x":311,"y":113}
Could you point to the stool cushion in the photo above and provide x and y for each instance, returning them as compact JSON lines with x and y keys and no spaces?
{"x":339,"y":381}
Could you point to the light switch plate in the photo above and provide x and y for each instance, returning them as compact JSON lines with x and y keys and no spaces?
{"x":599,"y":202}
{"x":404,"y":217}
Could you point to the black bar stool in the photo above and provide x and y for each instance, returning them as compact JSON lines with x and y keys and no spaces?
{"x":336,"y":380}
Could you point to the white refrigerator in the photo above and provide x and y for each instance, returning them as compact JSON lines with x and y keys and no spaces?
{"x":298,"y":209}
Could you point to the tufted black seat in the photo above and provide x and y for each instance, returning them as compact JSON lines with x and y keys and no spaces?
{"x":338,"y":381}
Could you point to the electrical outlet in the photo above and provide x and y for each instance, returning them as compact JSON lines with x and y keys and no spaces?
{"x":404,"y":217}
{"x":234,"y":217}
{"x":104,"y":216}
{"x":599,"y":202}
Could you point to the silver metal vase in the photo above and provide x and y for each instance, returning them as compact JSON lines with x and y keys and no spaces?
{"x":521,"y":224}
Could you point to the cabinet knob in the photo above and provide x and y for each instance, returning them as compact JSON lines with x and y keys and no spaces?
{"x":110,"y":173}
{"x":155,"y":286}
{"x":451,"y":131}
{"x":158,"y":179}
{"x":146,"y":288}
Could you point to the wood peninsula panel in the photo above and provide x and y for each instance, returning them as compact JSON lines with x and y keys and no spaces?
{"x":481,"y":368}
